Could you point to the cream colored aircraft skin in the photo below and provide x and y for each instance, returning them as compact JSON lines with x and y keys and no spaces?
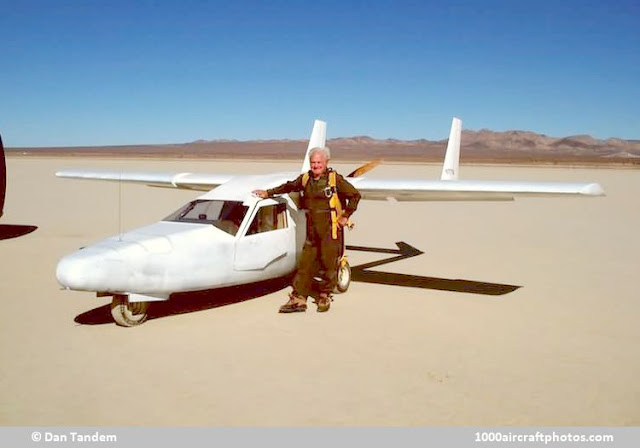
{"x":228,"y":237}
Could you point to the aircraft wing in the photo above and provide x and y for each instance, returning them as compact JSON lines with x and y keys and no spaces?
{"x":187,"y":181}
{"x":195,"y":181}
{"x":450,"y":188}
{"x":466,"y":190}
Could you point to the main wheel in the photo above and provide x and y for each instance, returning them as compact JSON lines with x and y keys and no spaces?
{"x":128,"y":314}
{"x":344,"y":277}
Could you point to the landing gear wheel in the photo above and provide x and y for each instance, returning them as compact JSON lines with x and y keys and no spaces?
{"x":344,"y":277}
{"x":128,"y":314}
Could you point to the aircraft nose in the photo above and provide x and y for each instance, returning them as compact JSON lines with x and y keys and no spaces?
{"x":87,"y":269}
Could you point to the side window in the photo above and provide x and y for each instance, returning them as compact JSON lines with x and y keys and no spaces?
{"x":270,"y":217}
{"x":225,"y":215}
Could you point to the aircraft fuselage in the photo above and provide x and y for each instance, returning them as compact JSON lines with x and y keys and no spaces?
{"x":209,"y":243}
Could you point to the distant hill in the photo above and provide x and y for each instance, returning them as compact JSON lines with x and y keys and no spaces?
{"x":482,"y":146}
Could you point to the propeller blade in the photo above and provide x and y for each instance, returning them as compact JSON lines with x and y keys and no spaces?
{"x":365,"y":168}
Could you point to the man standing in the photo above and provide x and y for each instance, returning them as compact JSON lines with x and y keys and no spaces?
{"x":323,"y":194}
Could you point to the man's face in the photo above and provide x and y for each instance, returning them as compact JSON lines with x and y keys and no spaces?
{"x":318,"y":164}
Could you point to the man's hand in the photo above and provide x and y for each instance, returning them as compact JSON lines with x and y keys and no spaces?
{"x":261,"y":194}
{"x":343,"y":221}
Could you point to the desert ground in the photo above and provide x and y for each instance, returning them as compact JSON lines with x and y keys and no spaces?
{"x":560,"y":349}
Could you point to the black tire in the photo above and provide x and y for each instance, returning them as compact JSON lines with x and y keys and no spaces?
{"x":128,"y":314}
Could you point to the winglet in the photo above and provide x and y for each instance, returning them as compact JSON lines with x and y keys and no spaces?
{"x":452,"y":156}
{"x":318,"y":139}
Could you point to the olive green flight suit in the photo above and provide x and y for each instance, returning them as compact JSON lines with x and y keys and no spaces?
{"x":321,"y":253}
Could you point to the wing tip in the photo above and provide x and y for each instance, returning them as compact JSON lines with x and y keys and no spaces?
{"x":593,"y":189}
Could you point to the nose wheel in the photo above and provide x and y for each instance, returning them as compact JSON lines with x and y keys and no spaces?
{"x":128,"y":314}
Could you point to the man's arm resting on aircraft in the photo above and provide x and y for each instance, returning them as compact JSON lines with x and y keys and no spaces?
{"x":294,"y":185}
{"x":288,"y":187}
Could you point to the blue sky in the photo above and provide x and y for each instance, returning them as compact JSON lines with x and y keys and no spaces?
{"x":131,"y":72}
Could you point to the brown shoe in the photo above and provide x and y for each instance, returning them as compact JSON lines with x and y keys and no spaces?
{"x":324,"y":303}
{"x":296,"y":304}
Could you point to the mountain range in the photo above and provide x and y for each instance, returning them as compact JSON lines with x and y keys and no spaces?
{"x":482,"y":146}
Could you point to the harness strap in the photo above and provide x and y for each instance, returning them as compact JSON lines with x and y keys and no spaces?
{"x":334,"y":202}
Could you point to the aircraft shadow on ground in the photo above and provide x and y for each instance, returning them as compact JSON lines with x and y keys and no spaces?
{"x":182,"y":303}
{"x":8,"y":231}
{"x":189,"y":302}
{"x":362,"y":273}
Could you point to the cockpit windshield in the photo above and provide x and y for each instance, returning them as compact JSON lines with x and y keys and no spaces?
{"x":225,"y":215}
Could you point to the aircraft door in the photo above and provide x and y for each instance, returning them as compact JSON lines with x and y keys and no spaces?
{"x":268,"y":244}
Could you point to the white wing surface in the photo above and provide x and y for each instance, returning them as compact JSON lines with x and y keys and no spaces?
{"x":447,"y":188}
{"x":466,"y":190}
{"x":195,"y":181}
{"x":188,"y":181}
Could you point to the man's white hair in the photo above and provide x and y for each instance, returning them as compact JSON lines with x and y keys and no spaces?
{"x":323,"y":150}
